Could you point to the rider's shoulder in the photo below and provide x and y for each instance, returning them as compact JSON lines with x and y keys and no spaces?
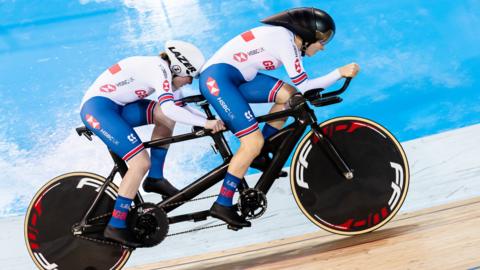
{"x":148,"y":63}
{"x":275,"y":31}
{"x":144,"y":60}
{"x":273,"y":35}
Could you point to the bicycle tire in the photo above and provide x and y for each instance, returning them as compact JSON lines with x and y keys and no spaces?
{"x":371,"y":198}
{"x":55,"y":208}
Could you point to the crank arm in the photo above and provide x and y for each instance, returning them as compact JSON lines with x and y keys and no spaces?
{"x":197,"y":216}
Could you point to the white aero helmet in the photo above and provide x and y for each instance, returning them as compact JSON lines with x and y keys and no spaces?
{"x":185,"y":58}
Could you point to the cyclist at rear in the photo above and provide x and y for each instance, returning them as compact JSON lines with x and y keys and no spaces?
{"x":230,"y":80}
{"x":115,"y":103}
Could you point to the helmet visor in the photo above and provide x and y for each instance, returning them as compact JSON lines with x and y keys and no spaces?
{"x":324,"y":37}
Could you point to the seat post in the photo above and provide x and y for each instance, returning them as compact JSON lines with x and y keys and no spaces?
{"x":205,"y":106}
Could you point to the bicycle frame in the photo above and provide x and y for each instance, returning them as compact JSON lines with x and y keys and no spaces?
{"x":280,"y":146}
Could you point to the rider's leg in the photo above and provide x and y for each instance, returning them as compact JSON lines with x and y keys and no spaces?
{"x":117,"y":226}
{"x":221,"y":84}
{"x":108,"y":121}
{"x":137,"y":168}
{"x":146,"y":112}
{"x":250,"y":147}
{"x":264,"y":88}
{"x":163,"y":128}
{"x":155,"y":181}
{"x":283,"y":95}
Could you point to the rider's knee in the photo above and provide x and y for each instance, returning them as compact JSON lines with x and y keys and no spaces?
{"x":165,"y":124}
{"x":163,"y":130}
{"x":285,"y":93}
{"x":253,"y":143}
{"x":161,"y":120}
{"x":140,"y":162}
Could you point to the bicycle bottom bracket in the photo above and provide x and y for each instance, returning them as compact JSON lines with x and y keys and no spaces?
{"x":252,"y":203}
{"x":149,"y":223}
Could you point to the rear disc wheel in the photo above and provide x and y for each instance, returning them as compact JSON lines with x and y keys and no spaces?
{"x":52,"y":213}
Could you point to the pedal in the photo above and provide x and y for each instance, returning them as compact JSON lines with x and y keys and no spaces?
{"x":283,"y":174}
{"x":233,"y":228}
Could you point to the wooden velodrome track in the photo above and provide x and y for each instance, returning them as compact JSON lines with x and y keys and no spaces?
{"x":444,"y":237}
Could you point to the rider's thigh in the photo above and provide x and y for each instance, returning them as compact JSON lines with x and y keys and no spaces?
{"x":139,"y":113}
{"x":219,"y":85}
{"x":284,"y":94}
{"x":262,"y":89}
{"x":104,"y":118}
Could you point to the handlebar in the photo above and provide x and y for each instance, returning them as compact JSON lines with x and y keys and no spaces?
{"x":341,"y":90}
{"x":192,"y":99}
{"x":318,"y":99}
{"x":85,"y":132}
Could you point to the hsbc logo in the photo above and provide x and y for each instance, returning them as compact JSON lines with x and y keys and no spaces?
{"x":212,"y":86}
{"x":225,"y":107}
{"x":125,"y":82}
{"x":240,"y":57}
{"x":298,"y":67}
{"x":166,"y":85}
{"x":108,"y":88}
{"x":92,"y":121}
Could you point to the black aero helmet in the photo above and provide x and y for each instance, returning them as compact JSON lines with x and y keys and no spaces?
{"x":311,"y":24}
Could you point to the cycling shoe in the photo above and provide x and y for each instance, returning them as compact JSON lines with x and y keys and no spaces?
{"x":229,"y":215}
{"x":123,"y":236}
{"x":160,"y":186}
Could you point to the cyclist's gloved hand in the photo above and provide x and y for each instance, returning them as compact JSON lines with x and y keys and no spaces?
{"x":349,"y":71}
{"x":215,"y":125}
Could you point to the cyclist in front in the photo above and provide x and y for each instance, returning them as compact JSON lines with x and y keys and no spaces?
{"x":115,"y":103}
{"x":231,"y":79}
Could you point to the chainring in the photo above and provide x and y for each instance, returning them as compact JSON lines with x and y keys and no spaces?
{"x":252,"y":203}
{"x":149,"y":223}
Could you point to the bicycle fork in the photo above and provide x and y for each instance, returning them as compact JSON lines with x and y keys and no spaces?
{"x":332,"y":152}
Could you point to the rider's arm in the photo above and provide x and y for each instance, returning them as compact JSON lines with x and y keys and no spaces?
{"x":178,"y":95}
{"x":180,"y":114}
{"x":160,"y":78}
{"x":289,"y":54}
{"x":320,"y":82}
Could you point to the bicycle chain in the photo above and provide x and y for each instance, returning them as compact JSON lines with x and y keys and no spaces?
{"x":111,"y":243}
{"x":197,"y":229}
{"x":168,"y":235}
